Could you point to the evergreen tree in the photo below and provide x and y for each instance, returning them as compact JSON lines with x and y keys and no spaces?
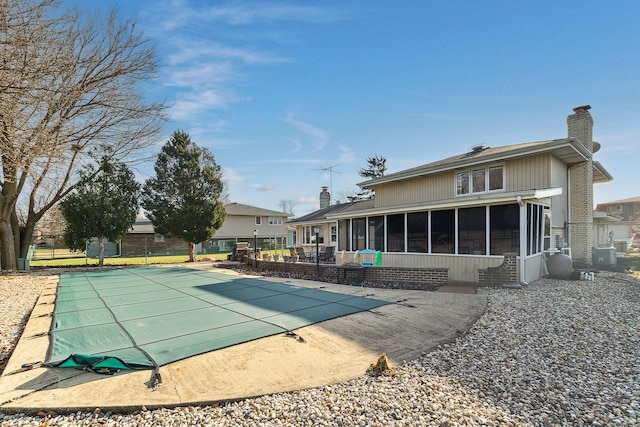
{"x":103,"y":206}
{"x":377,"y":166}
{"x":184,"y":199}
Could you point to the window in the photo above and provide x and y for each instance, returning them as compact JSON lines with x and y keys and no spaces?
{"x":158,"y":238}
{"x":462,"y":186}
{"x":472,"y":230}
{"x":535,"y":228}
{"x":376,"y":233}
{"x":358,"y":234}
{"x":334,"y":234}
{"x":275,"y":220}
{"x":395,"y":233}
{"x":258,"y":220}
{"x":309,"y":235}
{"x":306,"y":235}
{"x":417,"y":232}
{"x":496,"y":178}
{"x":344,"y":230}
{"x":443,"y":229}
{"x":504,"y":234}
{"x":547,"y":228}
{"x":478,"y":180}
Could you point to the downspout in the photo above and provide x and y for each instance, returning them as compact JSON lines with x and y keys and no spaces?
{"x":523,"y":237}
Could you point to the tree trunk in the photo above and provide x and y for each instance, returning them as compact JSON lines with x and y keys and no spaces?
{"x":101,"y":251}
{"x":8,"y":252}
{"x":192,"y":252}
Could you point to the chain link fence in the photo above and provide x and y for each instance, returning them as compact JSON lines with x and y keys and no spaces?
{"x":624,"y":236}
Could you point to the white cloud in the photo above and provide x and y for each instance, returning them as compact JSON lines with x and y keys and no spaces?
{"x":346,"y":155}
{"x":268,"y":187}
{"x":297,"y":146}
{"x":189,"y":50}
{"x":232,"y":176}
{"x":308,"y":200}
{"x":200,"y":75}
{"x":318,"y":138}
{"x":251,"y":12}
{"x":192,"y":103}
{"x":173,"y":14}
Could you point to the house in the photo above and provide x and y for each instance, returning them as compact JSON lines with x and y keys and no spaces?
{"x":142,"y":239}
{"x":241,"y":222}
{"x":321,"y":221}
{"x":239,"y":225}
{"x":619,"y":221}
{"x":624,"y":210}
{"x":467,"y":212}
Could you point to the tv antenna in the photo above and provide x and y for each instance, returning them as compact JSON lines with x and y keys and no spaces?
{"x":330,"y":170}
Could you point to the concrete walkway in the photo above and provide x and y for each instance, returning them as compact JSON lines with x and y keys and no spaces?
{"x":333,"y":351}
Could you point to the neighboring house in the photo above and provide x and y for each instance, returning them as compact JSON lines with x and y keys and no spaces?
{"x":624,"y":210}
{"x":242,"y":220}
{"x":142,"y":239}
{"x":622,"y":230}
{"x":239,"y":225}
{"x":465,"y":212}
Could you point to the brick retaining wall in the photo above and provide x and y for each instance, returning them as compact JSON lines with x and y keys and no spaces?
{"x":379,"y":274}
{"x":505,"y":273}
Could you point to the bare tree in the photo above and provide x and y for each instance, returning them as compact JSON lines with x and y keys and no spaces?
{"x":70,"y":93}
{"x":288,"y":207}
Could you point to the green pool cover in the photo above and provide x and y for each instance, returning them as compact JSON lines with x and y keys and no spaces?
{"x":150,"y":316}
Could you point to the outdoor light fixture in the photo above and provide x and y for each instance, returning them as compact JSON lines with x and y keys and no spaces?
{"x":317,"y":230}
{"x":255,"y":244}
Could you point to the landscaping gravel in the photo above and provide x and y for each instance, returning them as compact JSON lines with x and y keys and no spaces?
{"x":555,"y":352}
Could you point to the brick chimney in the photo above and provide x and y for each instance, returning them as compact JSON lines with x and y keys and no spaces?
{"x":580,"y":194}
{"x":325,"y":198}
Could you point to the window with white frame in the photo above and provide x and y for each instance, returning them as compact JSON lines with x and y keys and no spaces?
{"x":480,"y":180}
{"x":309,"y":235}
{"x":258,"y":220}
{"x":158,"y":238}
{"x":275,"y":220}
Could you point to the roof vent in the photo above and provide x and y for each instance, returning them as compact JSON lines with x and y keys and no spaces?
{"x":478,"y":148}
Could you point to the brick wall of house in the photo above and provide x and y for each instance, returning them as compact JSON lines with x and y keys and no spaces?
{"x":580,"y":126}
{"x":135,"y":245}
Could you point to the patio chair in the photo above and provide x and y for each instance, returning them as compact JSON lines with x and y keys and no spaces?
{"x":329,"y":254}
{"x":302,"y":256}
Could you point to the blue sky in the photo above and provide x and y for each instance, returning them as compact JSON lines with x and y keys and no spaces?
{"x":278,"y":90}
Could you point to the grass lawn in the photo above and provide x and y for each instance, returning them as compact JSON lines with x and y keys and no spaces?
{"x":80,"y":260}
{"x":66,"y":258}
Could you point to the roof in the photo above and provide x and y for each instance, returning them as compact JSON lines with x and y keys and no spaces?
{"x":603,"y":217}
{"x":322,"y":215}
{"x":240,"y":209}
{"x":142,"y":226}
{"x":617,"y":202}
{"x":570,"y":150}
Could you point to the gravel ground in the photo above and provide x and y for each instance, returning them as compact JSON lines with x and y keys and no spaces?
{"x":553,"y":353}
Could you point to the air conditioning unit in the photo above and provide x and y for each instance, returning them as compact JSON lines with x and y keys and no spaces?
{"x":604,"y":257}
